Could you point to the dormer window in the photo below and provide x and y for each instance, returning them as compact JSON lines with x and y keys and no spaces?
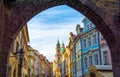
{"x":91,"y":25}
{"x":88,"y":26}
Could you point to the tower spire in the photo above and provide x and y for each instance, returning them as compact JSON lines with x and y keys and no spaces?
{"x":63,"y":44}
{"x":58,"y":44}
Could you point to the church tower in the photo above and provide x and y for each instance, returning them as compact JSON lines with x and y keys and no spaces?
{"x":62,"y":48}
{"x":58,"y":59}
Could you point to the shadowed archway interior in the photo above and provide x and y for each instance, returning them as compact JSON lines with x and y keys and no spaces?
{"x":15,"y":13}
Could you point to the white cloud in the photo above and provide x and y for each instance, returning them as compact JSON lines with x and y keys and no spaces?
{"x":45,"y":40}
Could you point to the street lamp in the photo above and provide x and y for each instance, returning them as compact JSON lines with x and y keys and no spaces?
{"x":29,"y":72}
{"x":21,"y":56}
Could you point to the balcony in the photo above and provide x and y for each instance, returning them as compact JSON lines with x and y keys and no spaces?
{"x":31,"y":54}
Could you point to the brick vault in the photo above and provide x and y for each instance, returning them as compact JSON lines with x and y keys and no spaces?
{"x":105,"y":14}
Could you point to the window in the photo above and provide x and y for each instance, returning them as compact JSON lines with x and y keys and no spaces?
{"x":58,"y":61}
{"x":88,"y":26}
{"x":78,"y":65}
{"x":77,"y":46}
{"x":102,"y":38}
{"x":58,"y":51}
{"x":84,"y":41}
{"x":58,"y":58}
{"x":85,"y":59}
{"x":94,"y":39}
{"x":96,"y":59}
{"x":90,"y":60}
{"x":78,"y":56}
{"x":17,"y":46}
{"x":89,"y":41}
{"x":106,"y":58}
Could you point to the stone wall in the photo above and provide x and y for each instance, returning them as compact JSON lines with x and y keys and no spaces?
{"x":105,"y":14}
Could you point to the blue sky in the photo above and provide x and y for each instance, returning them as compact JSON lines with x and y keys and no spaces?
{"x":49,"y":25}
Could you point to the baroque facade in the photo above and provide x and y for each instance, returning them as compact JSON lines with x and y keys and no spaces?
{"x":58,"y":60}
{"x":14,"y":63}
{"x":90,"y":46}
{"x":77,"y":49}
{"x":73,"y":54}
{"x":38,"y":64}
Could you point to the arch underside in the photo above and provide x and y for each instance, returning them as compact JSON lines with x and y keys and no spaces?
{"x":19,"y":12}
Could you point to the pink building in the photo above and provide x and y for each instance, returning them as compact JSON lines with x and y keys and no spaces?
{"x":105,"y":51}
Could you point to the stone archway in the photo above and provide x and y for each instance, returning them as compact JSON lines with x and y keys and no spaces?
{"x":105,"y":14}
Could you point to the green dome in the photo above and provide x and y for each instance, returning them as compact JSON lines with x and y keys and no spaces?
{"x":58,"y":44}
{"x":63,"y":47}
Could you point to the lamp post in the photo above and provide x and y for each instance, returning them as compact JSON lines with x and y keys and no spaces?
{"x":29,"y":72}
{"x":21,"y":56}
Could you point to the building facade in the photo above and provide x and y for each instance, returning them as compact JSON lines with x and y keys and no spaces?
{"x":36,"y":64}
{"x":70,"y":46}
{"x":90,"y":46}
{"x":31,"y":61}
{"x":73,"y":54}
{"x":66,"y":61}
{"x":25,"y":40}
{"x":14,"y":63}
{"x":54,"y":69}
{"x":77,"y":46}
{"x":58,"y":59}
{"x":105,"y":51}
{"x":63,"y":63}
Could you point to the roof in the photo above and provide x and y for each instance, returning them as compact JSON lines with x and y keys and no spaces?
{"x":84,"y":19}
{"x":102,"y":67}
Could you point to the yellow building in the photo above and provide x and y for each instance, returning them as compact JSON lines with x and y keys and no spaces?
{"x":36,"y":64}
{"x":67,"y":57}
{"x":70,"y":53}
{"x":13,"y":66}
{"x":62,"y":62}
{"x":54,"y":68}
{"x":31,"y":60}
{"x":25,"y":40}
{"x":45,"y":67}
{"x":58,"y":59}
{"x":20,"y":42}
{"x":66,"y":62}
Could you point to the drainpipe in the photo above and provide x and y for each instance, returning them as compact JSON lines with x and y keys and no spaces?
{"x":99,"y":47}
{"x":81,"y":57}
{"x":75,"y":59}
